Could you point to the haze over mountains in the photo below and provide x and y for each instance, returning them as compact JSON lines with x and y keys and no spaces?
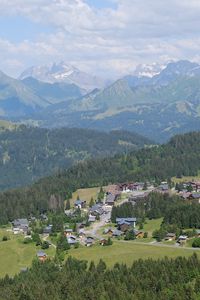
{"x":64,"y":72}
{"x":156,"y":101}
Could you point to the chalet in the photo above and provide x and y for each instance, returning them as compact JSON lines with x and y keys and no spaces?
{"x":194,"y":184}
{"x":47,"y":229}
{"x":108,"y":231}
{"x":132,"y":221}
{"x":80,"y":225}
{"x":113,"y":189}
{"x":68,"y":231}
{"x":137,"y":197}
{"x":197,"y":186}
{"x":96,"y":209}
{"x":139,"y":234}
{"x":20,"y":226}
{"x":197,"y":232}
{"x":185,"y":195}
{"x":131,"y":186}
{"x":110,"y":199}
{"x":103,"y":242}
{"x":81,"y":232}
{"x":117,"y":233}
{"x":89,"y":241}
{"x":41,"y":256}
{"x":164,"y":187}
{"x":92,"y":218}
{"x":71,"y":240}
{"x":124,"y":226}
{"x":170,"y":236}
{"x":80,"y":203}
{"x":195,"y":196}
{"x":182,"y":239}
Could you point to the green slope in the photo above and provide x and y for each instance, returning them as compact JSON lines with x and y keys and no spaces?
{"x":27,"y":154}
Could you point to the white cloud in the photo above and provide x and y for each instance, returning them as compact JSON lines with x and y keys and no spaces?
{"x":106,"y":40}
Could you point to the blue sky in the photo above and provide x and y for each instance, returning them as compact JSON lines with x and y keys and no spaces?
{"x":108,"y":38}
{"x":102,"y":3}
{"x":19,"y":28}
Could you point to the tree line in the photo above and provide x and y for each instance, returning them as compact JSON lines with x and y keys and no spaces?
{"x":77,"y":280}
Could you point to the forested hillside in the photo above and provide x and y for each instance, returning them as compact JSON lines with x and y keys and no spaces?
{"x":181,"y":156}
{"x":27,"y":154}
{"x":166,"y":279}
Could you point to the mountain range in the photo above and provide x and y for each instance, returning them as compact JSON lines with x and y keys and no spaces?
{"x":64,"y":72}
{"x":158,"y":105}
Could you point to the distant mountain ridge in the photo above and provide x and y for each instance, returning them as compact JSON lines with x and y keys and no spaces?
{"x":64,"y":72}
{"x":17,"y":99}
{"x":159,"y":106}
{"x":157,"y":101}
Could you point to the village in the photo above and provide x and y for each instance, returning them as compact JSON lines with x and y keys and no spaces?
{"x":93,"y":225}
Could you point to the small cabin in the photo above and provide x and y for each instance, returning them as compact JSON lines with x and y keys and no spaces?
{"x":41,"y":256}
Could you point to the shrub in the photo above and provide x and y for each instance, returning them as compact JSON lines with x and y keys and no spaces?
{"x":5,"y":238}
{"x":196,"y":243}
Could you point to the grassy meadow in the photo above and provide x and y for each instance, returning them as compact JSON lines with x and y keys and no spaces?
{"x":127,"y":252}
{"x":85,"y":194}
{"x":14,"y":254}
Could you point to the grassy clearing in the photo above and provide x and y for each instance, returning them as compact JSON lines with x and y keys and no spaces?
{"x":185,"y":178}
{"x":152,"y":225}
{"x":85,"y":194}
{"x":127,"y":252}
{"x":14,"y":254}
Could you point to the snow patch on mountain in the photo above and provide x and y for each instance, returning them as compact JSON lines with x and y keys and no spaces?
{"x":64,"y":72}
{"x":149,"y":70}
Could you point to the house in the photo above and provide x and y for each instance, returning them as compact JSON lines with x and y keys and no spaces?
{"x":81,"y":232}
{"x":68,"y":232}
{"x":182,"y":239}
{"x":20,"y":226}
{"x":103,"y":242}
{"x":110,"y":199}
{"x":71,"y":240}
{"x":170,"y":236}
{"x":41,"y":256}
{"x":96,"y":209}
{"x":195,"y":196}
{"x":89,"y":241}
{"x":80,"y":226}
{"x":132,"y":221}
{"x":108,"y":231}
{"x":117,"y":233}
{"x":47,"y":229}
{"x":124,"y":226}
{"x":137,"y":196}
{"x":139,"y":234}
{"x":113,"y":189}
{"x":185,"y":195}
{"x":92,"y":218}
{"x":197,"y":232}
{"x":80,"y":203}
{"x":164,"y":187}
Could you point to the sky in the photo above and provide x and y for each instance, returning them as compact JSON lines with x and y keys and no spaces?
{"x":108,"y":38}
